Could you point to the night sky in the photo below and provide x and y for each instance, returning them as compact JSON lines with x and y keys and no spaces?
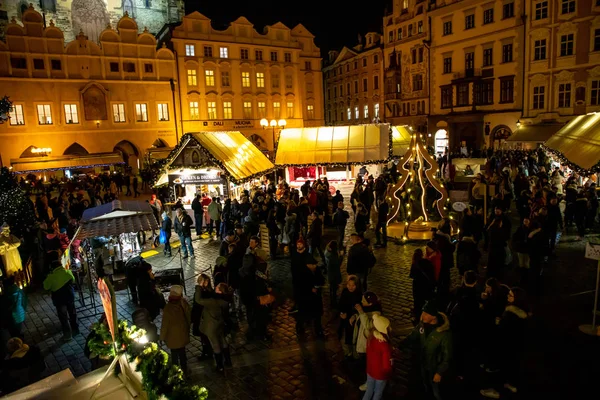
{"x":335,"y":23}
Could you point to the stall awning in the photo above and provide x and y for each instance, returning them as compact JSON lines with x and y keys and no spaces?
{"x":325,"y":145}
{"x":537,"y":133}
{"x":579,"y":141}
{"x":401,"y":136}
{"x":35,"y":164}
{"x":116,"y":217}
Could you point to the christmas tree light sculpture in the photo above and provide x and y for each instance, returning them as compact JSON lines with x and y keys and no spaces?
{"x":417,"y":167}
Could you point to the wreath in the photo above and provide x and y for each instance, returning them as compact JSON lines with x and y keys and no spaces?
{"x":159,"y":378}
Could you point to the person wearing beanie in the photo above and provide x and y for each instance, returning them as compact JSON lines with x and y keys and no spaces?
{"x":175,"y":328}
{"x":166,"y":227}
{"x":379,"y":358}
{"x":432,"y":339}
{"x":369,"y":308}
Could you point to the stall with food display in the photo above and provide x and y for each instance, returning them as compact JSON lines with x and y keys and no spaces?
{"x":220,"y":164}
{"x":335,"y":151}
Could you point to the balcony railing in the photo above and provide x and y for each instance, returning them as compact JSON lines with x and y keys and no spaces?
{"x":393,"y":96}
{"x":468,"y":73}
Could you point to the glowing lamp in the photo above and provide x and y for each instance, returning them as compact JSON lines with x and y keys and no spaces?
{"x":264,"y":123}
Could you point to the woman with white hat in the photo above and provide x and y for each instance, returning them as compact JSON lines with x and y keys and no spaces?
{"x":379,"y":358}
{"x":175,"y":328}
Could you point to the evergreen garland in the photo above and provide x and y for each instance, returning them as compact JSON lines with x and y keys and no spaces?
{"x":159,"y":378}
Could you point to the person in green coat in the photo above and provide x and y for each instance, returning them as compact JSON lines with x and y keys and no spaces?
{"x":432,"y":339}
{"x":60,"y":283}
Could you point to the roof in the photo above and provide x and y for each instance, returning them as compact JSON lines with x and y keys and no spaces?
{"x":538,"y":133}
{"x":579,"y":141}
{"x":237,"y":156}
{"x":33,"y":164}
{"x":400,"y":140}
{"x":356,"y":144}
{"x":116,"y":217}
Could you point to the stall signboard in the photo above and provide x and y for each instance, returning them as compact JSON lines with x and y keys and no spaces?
{"x":196,"y":179}
{"x":229,"y":124}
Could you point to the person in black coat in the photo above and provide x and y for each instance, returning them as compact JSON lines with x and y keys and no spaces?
{"x":349,"y":298}
{"x":359,"y":260}
{"x":423,"y":276}
{"x":554,"y":221}
{"x":467,"y":255}
{"x":167,"y":227}
{"x":381,"y":227}
{"x":183,"y":228}
{"x":314,"y":236}
{"x":446,"y":249}
{"x":310,"y":300}
{"x":224,"y":247}
{"x":198,"y":213}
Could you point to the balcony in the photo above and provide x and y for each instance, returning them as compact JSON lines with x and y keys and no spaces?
{"x":470,"y":73}
{"x":393,"y":96}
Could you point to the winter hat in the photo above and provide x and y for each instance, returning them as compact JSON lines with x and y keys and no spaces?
{"x":431,"y":308}
{"x":381,"y":323}
{"x":176,"y":291}
{"x":371,"y":297}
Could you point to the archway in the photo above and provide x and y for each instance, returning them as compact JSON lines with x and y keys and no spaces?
{"x":441,"y":141}
{"x":499,"y":134}
{"x":75,"y":150}
{"x":129,"y":153}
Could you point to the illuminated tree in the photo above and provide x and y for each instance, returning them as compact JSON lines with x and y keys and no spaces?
{"x":15,"y":208}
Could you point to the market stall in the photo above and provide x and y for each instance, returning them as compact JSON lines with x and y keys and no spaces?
{"x":334,"y":151}
{"x":531,"y":136}
{"x":220,"y":164}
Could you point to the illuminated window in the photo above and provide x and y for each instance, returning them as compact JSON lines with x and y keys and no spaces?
{"x":310,"y":111}
{"x":366,"y":111}
{"x":190,"y":51}
{"x":119,"y":112}
{"x":376,"y":110}
{"x":349,"y":113}
{"x":71,"y":116}
{"x":260,"y":79}
{"x":16,"y":115}
{"x":225,"y":79}
{"x":209,"y":77}
{"x":290,"y":109}
{"x":276,"y":109}
{"x":212,"y":110}
{"x":163,"y":111}
{"x":191,"y":77}
{"x":195,"y":110}
{"x":262,"y":109}
{"x":247,"y":109}
{"x":227,"y":110}
{"x":223,"y":52}
{"x":141,"y":112}
{"x":356,"y":113}
{"x":44,"y":114}
{"x":246,"y":79}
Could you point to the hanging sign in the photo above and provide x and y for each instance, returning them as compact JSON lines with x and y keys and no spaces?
{"x":197,"y":179}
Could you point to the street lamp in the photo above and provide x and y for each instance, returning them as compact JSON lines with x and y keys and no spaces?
{"x":273,"y":124}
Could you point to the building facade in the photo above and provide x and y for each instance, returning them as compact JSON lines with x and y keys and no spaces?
{"x":92,"y":16}
{"x":477,"y":67}
{"x":563,"y":60}
{"x":231,"y":79}
{"x":353,"y":83}
{"x":84,"y":98}
{"x":407,"y":64}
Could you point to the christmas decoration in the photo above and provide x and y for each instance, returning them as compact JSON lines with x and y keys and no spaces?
{"x":565,"y":161}
{"x":159,"y":378}
{"x":16,"y":209}
{"x":417,"y":165}
{"x":5,"y":109}
{"x":11,"y":259}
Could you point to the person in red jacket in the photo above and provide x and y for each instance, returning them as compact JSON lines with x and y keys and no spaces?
{"x":379,"y":358}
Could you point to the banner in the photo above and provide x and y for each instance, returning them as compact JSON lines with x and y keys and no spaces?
{"x":109,"y":303}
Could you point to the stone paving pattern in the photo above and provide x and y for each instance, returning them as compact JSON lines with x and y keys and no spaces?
{"x":558,"y":364}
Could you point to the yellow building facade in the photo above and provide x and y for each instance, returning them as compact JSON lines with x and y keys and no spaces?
{"x":353,"y":83}
{"x":83,"y":98}
{"x":563,"y":55}
{"x":407,"y":64}
{"x":232,"y":79}
{"x":477,"y":56}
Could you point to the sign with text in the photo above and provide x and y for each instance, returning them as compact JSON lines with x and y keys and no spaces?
{"x":592,"y":251}
{"x":197,"y":179}
{"x":229,"y":123}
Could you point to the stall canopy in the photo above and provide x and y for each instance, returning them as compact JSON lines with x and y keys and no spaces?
{"x":537,"y":133}
{"x":327,"y":145}
{"x":231,"y":151}
{"x":579,"y":141}
{"x":35,"y":164}
{"x":116,"y":217}
{"x":400,"y":140}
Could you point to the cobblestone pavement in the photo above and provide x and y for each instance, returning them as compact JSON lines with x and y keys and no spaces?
{"x":559,"y":361}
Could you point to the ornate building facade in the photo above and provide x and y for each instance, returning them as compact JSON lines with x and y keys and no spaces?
{"x":353,"y":83}
{"x":563,"y":60}
{"x":477,"y":66}
{"x":231,"y":79}
{"x":82,"y":98}
{"x":92,"y":16}
{"x":407,"y":63}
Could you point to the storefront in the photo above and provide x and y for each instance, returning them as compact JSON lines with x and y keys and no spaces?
{"x":220,"y":164}
{"x":338,"y":152}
